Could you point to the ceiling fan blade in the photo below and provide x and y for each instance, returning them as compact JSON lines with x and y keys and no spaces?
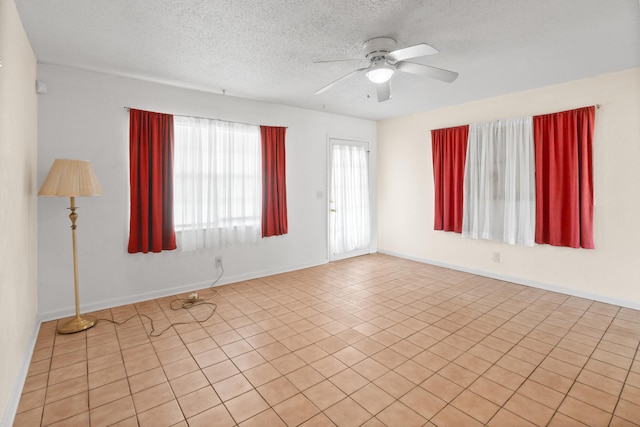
{"x":335,"y":82}
{"x":384,"y":91}
{"x":421,"y":49}
{"x":429,"y":71}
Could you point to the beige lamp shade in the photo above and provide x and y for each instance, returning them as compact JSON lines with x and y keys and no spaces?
{"x":71,"y":178}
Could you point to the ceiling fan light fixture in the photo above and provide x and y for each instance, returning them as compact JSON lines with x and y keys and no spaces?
{"x":380,"y":73}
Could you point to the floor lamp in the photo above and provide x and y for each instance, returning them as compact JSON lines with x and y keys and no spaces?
{"x":72,"y":178}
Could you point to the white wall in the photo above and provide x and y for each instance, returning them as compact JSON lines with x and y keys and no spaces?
{"x":18,"y":208}
{"x":83,"y":116}
{"x":608,"y":273}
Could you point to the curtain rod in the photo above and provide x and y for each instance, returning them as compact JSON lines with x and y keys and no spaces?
{"x":210,"y":118}
{"x":597,"y":107}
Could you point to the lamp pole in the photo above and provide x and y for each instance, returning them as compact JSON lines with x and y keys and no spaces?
{"x":78,"y":323}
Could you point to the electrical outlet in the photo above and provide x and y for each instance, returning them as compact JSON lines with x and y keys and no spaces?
{"x":496,"y":257}
{"x":218,"y":262}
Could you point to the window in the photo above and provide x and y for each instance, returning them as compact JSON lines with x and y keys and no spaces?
{"x":499,"y":182}
{"x":217,"y":183}
{"x":526,"y":181}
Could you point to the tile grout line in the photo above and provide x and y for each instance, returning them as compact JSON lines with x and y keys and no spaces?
{"x":582,"y":368}
{"x":624,"y":383}
{"x":504,"y":354}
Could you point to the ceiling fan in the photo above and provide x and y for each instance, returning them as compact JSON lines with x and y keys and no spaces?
{"x":384,"y":62}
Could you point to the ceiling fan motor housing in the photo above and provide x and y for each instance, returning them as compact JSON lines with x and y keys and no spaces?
{"x":377,"y":48}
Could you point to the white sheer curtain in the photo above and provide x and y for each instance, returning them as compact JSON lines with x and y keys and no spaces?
{"x":499,"y":182}
{"x":217,"y":183}
{"x":350,"y":228}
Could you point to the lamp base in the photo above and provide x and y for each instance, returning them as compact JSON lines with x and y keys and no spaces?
{"x":77,"y":324}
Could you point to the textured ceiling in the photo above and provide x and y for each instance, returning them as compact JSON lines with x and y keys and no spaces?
{"x":266,"y":50}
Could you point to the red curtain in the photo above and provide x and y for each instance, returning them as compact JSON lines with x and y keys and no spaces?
{"x":564,"y":178}
{"x":151,"y":182}
{"x":274,"y":189}
{"x":449,"y":151}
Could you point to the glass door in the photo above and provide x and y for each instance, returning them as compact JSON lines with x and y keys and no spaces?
{"x":349,"y":206}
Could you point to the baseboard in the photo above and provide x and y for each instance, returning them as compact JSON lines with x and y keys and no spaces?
{"x":18,"y":384}
{"x":521,"y":281}
{"x":131,"y":299}
{"x":115,"y":302}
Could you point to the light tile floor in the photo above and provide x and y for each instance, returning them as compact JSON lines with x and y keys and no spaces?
{"x":369,"y":341}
